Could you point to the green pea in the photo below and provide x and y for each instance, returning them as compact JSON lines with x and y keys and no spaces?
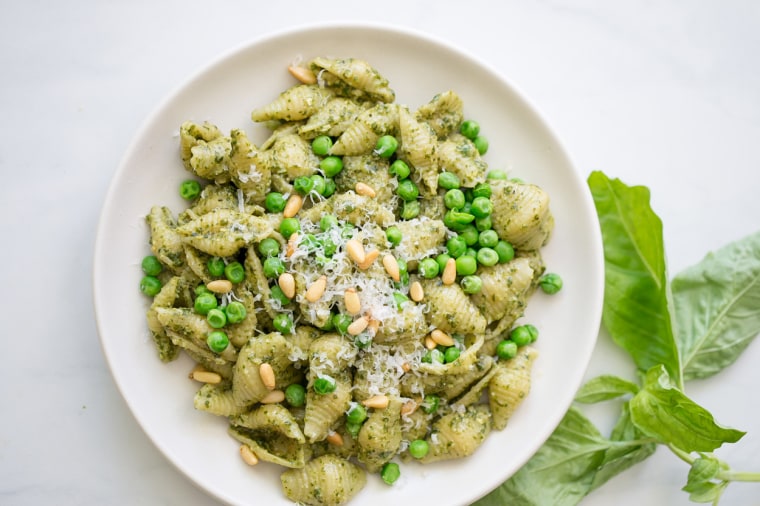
{"x":390,"y":472}
{"x":327,"y":221}
{"x":471,"y":252}
{"x":496,"y":174}
{"x":363,"y":340}
{"x":269,"y":247}
{"x":482,"y":190}
{"x":283,"y":323}
{"x":329,"y":246}
{"x":325,"y":384}
{"x":150,"y":285}
{"x":385,"y":146}
{"x":331,"y":165}
{"x":407,"y":190}
{"x":151,"y":265}
{"x":217,"y":341}
{"x":329,"y":187}
{"x":506,"y":349}
{"x":454,"y":199}
{"x":481,"y":144}
{"x":550,"y":283}
{"x":469,"y":129}
{"x":428,"y":268}
{"x":215,"y":266}
{"x":235,"y":312}
{"x":234,"y":272}
{"x":273,"y":267}
{"x":442,"y":260}
{"x":356,"y":413}
{"x":524,"y":334}
{"x":403,"y":271}
{"x":201,"y":289}
{"x":505,"y":251}
{"x":319,"y":184}
{"x":295,"y":394}
{"x":518,"y":180}
{"x":204,"y":303}
{"x":461,"y":217}
{"x":470,"y":235}
{"x":303,"y":184}
{"x":448,"y":180}
{"x":487,"y":257}
{"x":353,"y":429}
{"x":274,"y":202}
{"x":289,"y":226}
{"x":278,"y":295}
{"x":481,"y":207}
{"x":189,"y":189}
{"x":488,"y":239}
{"x":410,"y":210}
{"x":468,"y":195}
{"x":216,"y":318}
{"x":418,"y":448}
{"x":451,"y":354}
{"x":466,"y":265}
{"x":456,"y":246}
{"x":400,"y":169}
{"x":311,"y":243}
{"x":400,"y":299}
{"x":430,"y":404}
{"x":434,"y":356}
{"x":471,"y":284}
{"x":342,"y":322}
{"x":321,"y":145}
{"x":393,"y":235}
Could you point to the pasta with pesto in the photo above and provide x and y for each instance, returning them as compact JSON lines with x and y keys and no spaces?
{"x":349,"y":287}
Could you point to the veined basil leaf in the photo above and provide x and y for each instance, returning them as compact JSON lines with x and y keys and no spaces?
{"x":603,"y":388}
{"x":699,"y":485}
{"x":561,"y":472}
{"x":662,"y":411}
{"x":717,"y":307}
{"x":636,"y":300}
{"x":621,"y":457}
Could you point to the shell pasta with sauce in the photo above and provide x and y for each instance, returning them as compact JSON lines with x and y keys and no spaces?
{"x":349,"y":288}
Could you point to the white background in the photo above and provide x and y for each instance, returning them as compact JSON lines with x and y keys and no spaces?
{"x":663,"y":94}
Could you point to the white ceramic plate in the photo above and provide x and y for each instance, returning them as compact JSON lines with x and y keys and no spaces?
{"x":160,"y":396}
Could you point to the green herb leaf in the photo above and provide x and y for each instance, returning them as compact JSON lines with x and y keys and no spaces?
{"x":603,"y":388}
{"x":621,"y":457}
{"x":561,"y":472}
{"x":703,"y":469}
{"x":717,"y":307}
{"x":706,"y":492}
{"x":636,"y":303}
{"x":662,"y":411}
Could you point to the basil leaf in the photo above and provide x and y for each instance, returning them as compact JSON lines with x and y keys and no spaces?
{"x":717,"y":307}
{"x":707,"y":492}
{"x":561,"y":472}
{"x":636,"y":301}
{"x":662,"y":411}
{"x":603,"y":388}
{"x":699,"y":484}
{"x":621,"y":457}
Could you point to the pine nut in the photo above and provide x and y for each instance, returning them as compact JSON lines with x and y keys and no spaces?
{"x":273,"y":397}
{"x":206,"y":377}
{"x":220,"y":286}
{"x":267,"y":375}
{"x":408,"y":408}
{"x":334,"y":438}
{"x":429,"y":343}
{"x":287,"y":284}
{"x":294,"y":204}
{"x":373,"y":326}
{"x":377,"y":401}
{"x":365,"y":189}
{"x":292,"y":245}
{"x":449,"y":272}
{"x":353,"y":303}
{"x":317,"y":289}
{"x":368,"y":259}
{"x":358,"y":326}
{"x":416,"y":292}
{"x":406,"y":366}
{"x":248,"y":456}
{"x":391,"y":267}
{"x":442,"y":338}
{"x":303,"y":74}
{"x":355,"y":251}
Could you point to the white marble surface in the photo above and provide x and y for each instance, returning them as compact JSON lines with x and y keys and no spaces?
{"x":663,"y":94}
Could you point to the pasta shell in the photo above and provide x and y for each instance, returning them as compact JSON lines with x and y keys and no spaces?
{"x":505,"y":291}
{"x":459,"y":155}
{"x":293,"y":104}
{"x":452,"y":310}
{"x":324,"y":411}
{"x":419,"y":147}
{"x":191,"y":134}
{"x":358,"y":74}
{"x":420,"y":238}
{"x":443,"y":114}
{"x":457,"y":435}
{"x":510,"y":385}
{"x":333,"y":119}
{"x":223,"y":232}
{"x":328,"y":480}
{"x":248,"y":175}
{"x":380,"y":436}
{"x":217,"y":400}
{"x":165,"y":240}
{"x":521,"y":214}
{"x":361,"y":136}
